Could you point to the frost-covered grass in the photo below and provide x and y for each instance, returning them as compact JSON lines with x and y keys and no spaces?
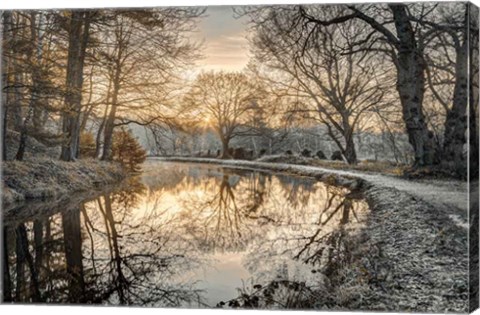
{"x":383,"y":167}
{"x":414,"y":256}
{"x":50,"y":178}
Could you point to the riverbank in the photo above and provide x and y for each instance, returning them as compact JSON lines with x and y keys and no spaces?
{"x":411,"y":256}
{"x":45,"y":178}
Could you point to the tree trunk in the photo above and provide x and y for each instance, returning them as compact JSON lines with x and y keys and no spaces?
{"x":35,"y":59}
{"x":110,"y":122}
{"x":225,"y":148}
{"x":99,"y":137}
{"x":109,"y":127}
{"x":6,"y":62}
{"x":15,"y":102}
{"x":4,"y":131}
{"x":78,"y":38}
{"x":350,"y":152}
{"x":456,"y":122}
{"x":37,"y":56}
{"x":23,"y":136}
{"x":411,"y":87}
{"x":16,"y":106}
{"x":473,"y":38}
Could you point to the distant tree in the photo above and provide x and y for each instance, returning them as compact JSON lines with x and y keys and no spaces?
{"x":224,"y":100}
{"x":127,"y":150}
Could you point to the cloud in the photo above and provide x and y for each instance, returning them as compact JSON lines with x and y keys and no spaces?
{"x":225,"y":43}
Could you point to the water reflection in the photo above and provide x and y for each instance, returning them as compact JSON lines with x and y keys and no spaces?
{"x":179,"y":235}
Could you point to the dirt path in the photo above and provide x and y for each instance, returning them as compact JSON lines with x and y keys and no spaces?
{"x":449,"y":196}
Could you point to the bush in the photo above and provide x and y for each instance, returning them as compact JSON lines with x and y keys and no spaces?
{"x":87,"y":145}
{"x":240,"y":153}
{"x":321,"y":155}
{"x":337,"y":156}
{"x":306,"y":153}
{"x":127,"y":150}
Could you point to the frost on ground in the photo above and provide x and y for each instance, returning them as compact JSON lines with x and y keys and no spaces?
{"x":411,"y":256}
{"x":422,"y":256}
{"x":43,"y":178}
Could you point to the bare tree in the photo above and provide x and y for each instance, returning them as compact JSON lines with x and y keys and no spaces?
{"x":333,"y":85}
{"x":447,"y":54}
{"x":224,"y":101}
{"x":391,"y":32}
{"x":143,"y":50}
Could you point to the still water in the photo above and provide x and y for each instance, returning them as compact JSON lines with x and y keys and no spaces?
{"x":180,"y":235}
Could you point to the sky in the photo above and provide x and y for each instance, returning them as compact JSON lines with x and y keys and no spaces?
{"x":225,"y":42}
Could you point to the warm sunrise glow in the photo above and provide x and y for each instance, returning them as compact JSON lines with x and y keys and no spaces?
{"x":225,"y":40}
{"x":207,"y":121}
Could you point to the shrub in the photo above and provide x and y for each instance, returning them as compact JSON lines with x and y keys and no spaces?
{"x":240,"y":154}
{"x":127,"y":150}
{"x":306,"y":153}
{"x":337,"y":156}
{"x":87,"y":145}
{"x":321,"y":155}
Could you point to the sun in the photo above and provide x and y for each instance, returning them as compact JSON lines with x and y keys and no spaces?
{"x":207,"y":121}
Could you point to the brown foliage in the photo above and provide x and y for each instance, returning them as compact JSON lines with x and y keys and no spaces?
{"x":87,"y":145}
{"x":127,"y":150}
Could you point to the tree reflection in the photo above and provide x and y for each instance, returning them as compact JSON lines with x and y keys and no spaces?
{"x":7,"y":282}
{"x":108,"y":255}
{"x":321,"y":246}
{"x":148,"y":245}
{"x":297,"y":191}
{"x":138,"y":264}
{"x":224,"y":217}
{"x":323,"y":236}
